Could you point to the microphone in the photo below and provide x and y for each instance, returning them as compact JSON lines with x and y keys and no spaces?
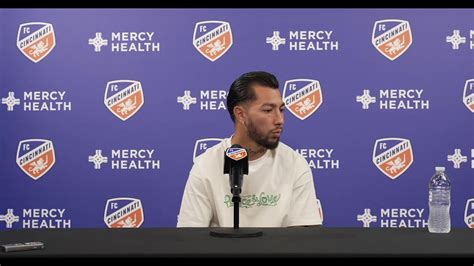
{"x":236,"y":164}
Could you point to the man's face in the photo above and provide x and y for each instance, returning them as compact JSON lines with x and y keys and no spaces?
{"x":264,"y":117}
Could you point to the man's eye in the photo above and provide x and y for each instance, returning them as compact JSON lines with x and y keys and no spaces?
{"x":267,"y":110}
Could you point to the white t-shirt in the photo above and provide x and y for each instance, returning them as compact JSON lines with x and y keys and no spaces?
{"x":278,"y":191}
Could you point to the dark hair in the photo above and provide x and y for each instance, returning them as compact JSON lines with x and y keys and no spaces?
{"x":241,"y":89}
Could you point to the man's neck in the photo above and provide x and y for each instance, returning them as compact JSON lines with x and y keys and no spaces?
{"x":255,"y":151}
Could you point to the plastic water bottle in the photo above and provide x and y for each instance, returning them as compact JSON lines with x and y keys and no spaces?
{"x":439,"y":220}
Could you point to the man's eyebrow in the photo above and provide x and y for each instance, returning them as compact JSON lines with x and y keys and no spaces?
{"x":272,"y":104}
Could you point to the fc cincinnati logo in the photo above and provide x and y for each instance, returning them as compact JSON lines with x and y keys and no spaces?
{"x":124,"y":98}
{"x":468,"y":98}
{"x":393,"y":156}
{"x":302,"y":97}
{"x":212,"y":38}
{"x":35,"y":157}
{"x":123,"y":213}
{"x":202,"y":145}
{"x":36,"y":40}
{"x":392,"y":37}
{"x":469,"y":213}
{"x":236,"y":154}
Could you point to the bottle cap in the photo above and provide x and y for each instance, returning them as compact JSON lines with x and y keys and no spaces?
{"x":439,"y":168}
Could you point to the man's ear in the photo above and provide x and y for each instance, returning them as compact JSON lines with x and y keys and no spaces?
{"x":239,"y":114}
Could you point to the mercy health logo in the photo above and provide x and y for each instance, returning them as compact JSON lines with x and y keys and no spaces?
{"x":124,"y":98}
{"x":392,"y":156}
{"x":36,"y":40}
{"x":123,"y":213}
{"x":302,"y":97}
{"x":35,"y":157}
{"x":126,"y":159}
{"x":456,"y":39}
{"x":457,"y":158}
{"x":322,"y":158}
{"x":201,"y":145}
{"x":126,"y":42}
{"x":209,"y":100}
{"x":469,"y":213}
{"x":36,"y":218}
{"x":304,"y":40}
{"x":395,"y":99}
{"x":391,"y":37}
{"x":212,"y":38}
{"x":468,"y":96}
{"x":39,"y":101}
{"x":394,"y":217}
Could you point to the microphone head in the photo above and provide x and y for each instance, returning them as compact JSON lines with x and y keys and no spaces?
{"x":236,"y":156}
{"x":236,"y":164}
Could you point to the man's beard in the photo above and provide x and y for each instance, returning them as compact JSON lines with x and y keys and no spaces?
{"x":260,"y":139}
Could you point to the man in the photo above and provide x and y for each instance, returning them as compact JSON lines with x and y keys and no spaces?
{"x":278,"y":190}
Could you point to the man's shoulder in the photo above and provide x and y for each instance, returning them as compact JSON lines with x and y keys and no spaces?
{"x":206,"y":164}
{"x":283,"y":152}
{"x":212,"y":153}
{"x":287,"y":154}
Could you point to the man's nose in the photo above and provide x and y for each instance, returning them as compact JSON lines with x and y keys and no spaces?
{"x":280,"y":118}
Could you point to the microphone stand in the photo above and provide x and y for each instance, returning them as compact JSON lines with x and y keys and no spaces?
{"x":236,"y":232}
{"x":236,"y":201}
